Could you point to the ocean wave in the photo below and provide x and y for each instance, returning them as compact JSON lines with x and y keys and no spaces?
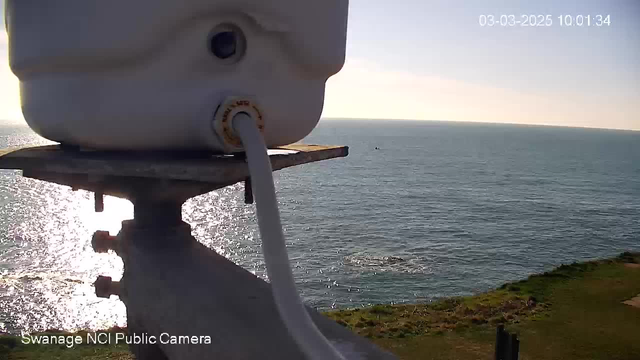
{"x":398,"y":264}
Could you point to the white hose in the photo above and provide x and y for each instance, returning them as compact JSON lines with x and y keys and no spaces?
{"x":290,"y":306}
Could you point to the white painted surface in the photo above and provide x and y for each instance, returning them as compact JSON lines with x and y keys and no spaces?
{"x":128,"y":75}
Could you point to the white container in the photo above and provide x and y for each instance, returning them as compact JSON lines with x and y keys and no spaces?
{"x":142,"y":74}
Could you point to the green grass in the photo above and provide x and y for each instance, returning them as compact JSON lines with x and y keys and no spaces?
{"x":572,"y":312}
{"x":577,"y":314}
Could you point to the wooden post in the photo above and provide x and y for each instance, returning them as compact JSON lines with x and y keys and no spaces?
{"x":500,"y":345}
{"x":507,"y":345}
{"x":515,"y":347}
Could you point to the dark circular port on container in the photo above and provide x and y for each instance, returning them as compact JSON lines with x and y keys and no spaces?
{"x":227,"y":43}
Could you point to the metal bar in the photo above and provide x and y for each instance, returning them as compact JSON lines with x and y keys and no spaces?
{"x":98,"y":198}
{"x":248,"y":191}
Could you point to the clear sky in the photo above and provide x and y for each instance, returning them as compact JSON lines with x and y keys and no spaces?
{"x":431,"y":60}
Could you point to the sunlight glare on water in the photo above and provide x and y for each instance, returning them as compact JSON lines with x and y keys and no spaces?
{"x":48,"y":265}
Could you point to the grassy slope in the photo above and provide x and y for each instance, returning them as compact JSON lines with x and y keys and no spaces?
{"x":576,"y":313}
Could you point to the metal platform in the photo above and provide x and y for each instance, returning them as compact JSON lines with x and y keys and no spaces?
{"x":172,"y":283}
{"x":158,"y":174}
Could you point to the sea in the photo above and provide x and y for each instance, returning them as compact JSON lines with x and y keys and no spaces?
{"x":419,"y":210}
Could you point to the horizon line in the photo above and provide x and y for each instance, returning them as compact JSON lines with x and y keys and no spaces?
{"x":22,"y":122}
{"x":484,"y":122}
